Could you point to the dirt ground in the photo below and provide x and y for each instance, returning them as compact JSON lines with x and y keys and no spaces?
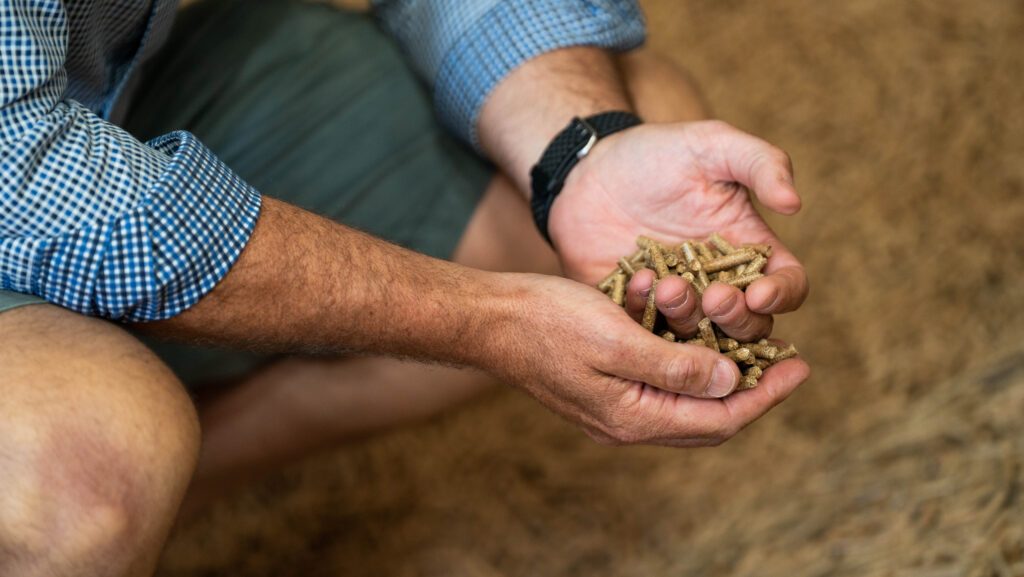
{"x":905,"y":121}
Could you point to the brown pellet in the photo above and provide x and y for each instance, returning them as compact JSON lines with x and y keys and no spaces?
{"x":619,"y":289}
{"x":756,"y":265}
{"x":703,"y":251}
{"x":690,"y":256}
{"x":702,"y":281}
{"x":626,"y":266}
{"x":729,"y":261}
{"x":647,"y":242}
{"x":650,"y":310}
{"x":740,"y":355}
{"x":724,"y":276}
{"x":720,"y":243}
{"x":668,"y":336}
{"x":744,"y":280}
{"x":606,"y":284}
{"x":707,"y":333}
{"x":763,"y":249}
{"x":656,"y":260}
{"x":754,"y":371}
{"x":671,"y":259}
{"x":763,"y":351}
{"x":728,"y":344}
{"x":746,"y":383}
{"x":785,"y":353}
{"x":688,"y":277}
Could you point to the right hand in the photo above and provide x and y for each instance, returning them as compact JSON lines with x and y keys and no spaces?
{"x":584,"y":358}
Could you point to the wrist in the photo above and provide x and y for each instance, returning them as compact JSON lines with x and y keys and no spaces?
{"x":536,"y":101}
{"x":567,"y":149}
{"x":497,"y":311}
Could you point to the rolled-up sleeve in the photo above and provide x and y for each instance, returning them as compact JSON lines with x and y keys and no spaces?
{"x":464,"y":48}
{"x":92,"y":219}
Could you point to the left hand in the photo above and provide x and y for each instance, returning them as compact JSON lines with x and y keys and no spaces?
{"x":674,"y":182}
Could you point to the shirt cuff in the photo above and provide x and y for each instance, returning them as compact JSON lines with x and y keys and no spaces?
{"x":159,"y":258}
{"x":512,"y":33}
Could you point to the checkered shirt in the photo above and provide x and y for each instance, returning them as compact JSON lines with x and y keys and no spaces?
{"x":97,"y":222}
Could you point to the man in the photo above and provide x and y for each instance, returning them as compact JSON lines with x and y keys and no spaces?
{"x":98,"y":436}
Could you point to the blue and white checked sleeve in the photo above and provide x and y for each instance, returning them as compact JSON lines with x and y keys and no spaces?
{"x":90,"y":218}
{"x":464,"y":48}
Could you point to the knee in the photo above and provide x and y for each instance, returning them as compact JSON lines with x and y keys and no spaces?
{"x":93,"y":462}
{"x":92,"y":491}
{"x":661,"y":90}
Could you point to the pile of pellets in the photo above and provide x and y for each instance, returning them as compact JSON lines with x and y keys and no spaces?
{"x":701,"y":264}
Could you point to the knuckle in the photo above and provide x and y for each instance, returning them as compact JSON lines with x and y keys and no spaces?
{"x":682,"y":370}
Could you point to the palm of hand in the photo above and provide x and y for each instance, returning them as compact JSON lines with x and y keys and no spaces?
{"x":667,"y":182}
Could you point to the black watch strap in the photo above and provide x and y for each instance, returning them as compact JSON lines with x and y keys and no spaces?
{"x":548,"y":176}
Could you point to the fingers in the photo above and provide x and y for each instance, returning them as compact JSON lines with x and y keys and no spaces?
{"x":703,"y":422}
{"x":680,"y":305}
{"x":677,"y":368}
{"x":783,"y":288}
{"x":675,"y":298}
{"x":726,"y":306}
{"x":656,"y":416}
{"x":637,"y":290}
{"x":765,"y":169}
{"x":777,"y":383}
{"x":779,"y":292}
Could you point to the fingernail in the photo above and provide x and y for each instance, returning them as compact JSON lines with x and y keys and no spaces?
{"x":723,"y":379}
{"x":677,"y":301}
{"x":772,"y":301}
{"x":725,"y":307}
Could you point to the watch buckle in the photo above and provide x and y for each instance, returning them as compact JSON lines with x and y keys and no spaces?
{"x":590,"y":143}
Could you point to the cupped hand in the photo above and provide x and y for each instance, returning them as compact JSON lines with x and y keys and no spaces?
{"x":674,"y":182}
{"x":583,"y":357}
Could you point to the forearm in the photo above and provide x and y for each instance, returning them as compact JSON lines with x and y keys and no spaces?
{"x":538,"y":99}
{"x":304,"y":283}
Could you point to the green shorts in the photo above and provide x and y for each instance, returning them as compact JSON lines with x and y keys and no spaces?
{"x":314,"y":106}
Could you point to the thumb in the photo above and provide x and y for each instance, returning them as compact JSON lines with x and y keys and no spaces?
{"x":690,"y":370}
{"x":765,"y":169}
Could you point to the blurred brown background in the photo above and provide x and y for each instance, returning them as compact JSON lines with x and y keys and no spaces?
{"x":900,"y":456}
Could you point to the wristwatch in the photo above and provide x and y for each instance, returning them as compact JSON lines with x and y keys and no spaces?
{"x":570,"y":146}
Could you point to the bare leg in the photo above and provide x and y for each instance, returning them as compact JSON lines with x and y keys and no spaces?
{"x":299,"y":405}
{"x":97,"y":444}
